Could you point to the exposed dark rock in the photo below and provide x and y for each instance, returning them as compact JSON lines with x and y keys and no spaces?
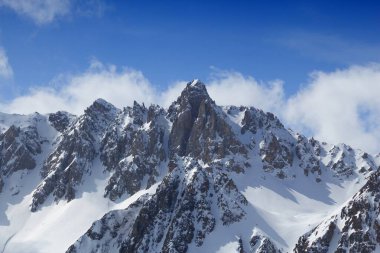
{"x":275,"y":153}
{"x":17,"y":148}
{"x":179,"y":212}
{"x":60,"y":120}
{"x":135,"y":151}
{"x":321,"y":245}
{"x":262,"y":244}
{"x":66,"y":166}
{"x":360,"y":231}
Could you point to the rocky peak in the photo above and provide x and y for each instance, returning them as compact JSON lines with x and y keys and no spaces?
{"x":199,"y":125}
{"x":184,"y":112}
{"x":190,"y":99}
{"x":72,"y":158}
{"x":101,"y":109}
{"x":194,"y":93}
{"x":194,"y":89}
{"x":138,"y":113}
{"x":101,"y":105}
{"x":97,"y":117}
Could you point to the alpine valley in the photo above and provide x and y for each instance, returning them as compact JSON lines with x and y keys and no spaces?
{"x":194,"y":177}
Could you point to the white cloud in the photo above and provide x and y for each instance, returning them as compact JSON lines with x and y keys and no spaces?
{"x":340,"y":106}
{"x":5,"y":68}
{"x":40,"y":11}
{"x":233,"y":88}
{"x":78,"y":92}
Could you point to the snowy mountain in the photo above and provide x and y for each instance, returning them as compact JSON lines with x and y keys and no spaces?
{"x":195,"y":177}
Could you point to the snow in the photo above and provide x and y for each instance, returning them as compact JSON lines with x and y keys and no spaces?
{"x":194,"y":82}
{"x":38,"y":232}
{"x":6,"y":120}
{"x":230,"y":247}
{"x":56,"y":226}
{"x":275,"y":205}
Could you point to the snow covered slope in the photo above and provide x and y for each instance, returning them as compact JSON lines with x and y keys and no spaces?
{"x":196,"y":177}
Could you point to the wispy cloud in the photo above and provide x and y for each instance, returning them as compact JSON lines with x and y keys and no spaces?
{"x":329,"y":48}
{"x":46,"y":11}
{"x":5,"y":68}
{"x":337,"y":106}
{"x":40,"y":11}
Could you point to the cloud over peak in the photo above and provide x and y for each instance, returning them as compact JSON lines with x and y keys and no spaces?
{"x":338,"y":106}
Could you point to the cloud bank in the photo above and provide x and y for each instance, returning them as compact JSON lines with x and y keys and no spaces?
{"x":339,"y":106}
{"x":5,"y":68}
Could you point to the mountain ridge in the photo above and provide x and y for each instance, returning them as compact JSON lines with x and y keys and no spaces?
{"x":198,"y":174}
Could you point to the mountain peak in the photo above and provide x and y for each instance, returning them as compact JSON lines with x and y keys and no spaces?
{"x":193,"y":94}
{"x":191,"y":97}
{"x":100,"y":106}
{"x":195,"y":83}
{"x":195,"y":87}
{"x":103,"y":103}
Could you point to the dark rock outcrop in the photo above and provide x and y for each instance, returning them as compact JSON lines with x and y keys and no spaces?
{"x":17,"y":148}
{"x":60,"y":120}
{"x":262,"y":244}
{"x":72,"y":159}
{"x":360,"y":231}
{"x":135,"y":150}
{"x":200,"y":128}
{"x":178,"y":213}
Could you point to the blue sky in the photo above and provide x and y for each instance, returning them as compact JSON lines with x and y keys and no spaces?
{"x":179,"y":40}
{"x":315,"y":64}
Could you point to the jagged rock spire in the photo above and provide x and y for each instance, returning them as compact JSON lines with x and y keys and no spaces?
{"x":192,"y":95}
{"x":184,"y":112}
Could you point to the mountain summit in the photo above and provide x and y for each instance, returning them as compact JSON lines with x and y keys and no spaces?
{"x":196,"y":177}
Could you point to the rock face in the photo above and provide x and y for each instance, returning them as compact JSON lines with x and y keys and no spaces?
{"x":19,"y":146}
{"x":200,"y":128}
{"x":72,"y":158}
{"x":60,"y":120}
{"x":189,"y":160}
{"x":134,"y":148}
{"x":355,"y":229}
{"x":180,"y":211}
{"x":262,"y":244}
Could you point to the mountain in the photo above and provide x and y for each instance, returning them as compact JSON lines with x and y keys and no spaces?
{"x":195,"y":177}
